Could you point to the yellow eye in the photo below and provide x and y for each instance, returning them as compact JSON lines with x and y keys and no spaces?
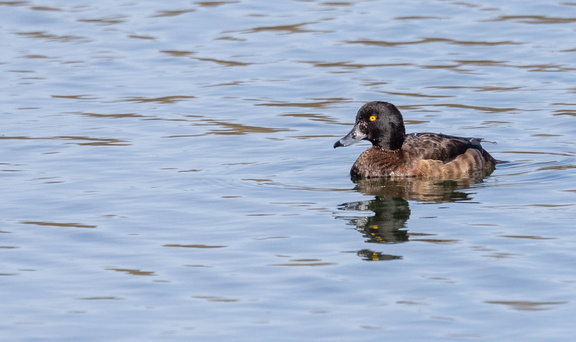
{"x":373,"y":118}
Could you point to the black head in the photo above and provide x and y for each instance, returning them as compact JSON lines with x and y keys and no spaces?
{"x":380,"y":123}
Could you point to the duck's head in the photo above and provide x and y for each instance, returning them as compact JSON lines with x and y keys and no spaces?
{"x":380,"y":123}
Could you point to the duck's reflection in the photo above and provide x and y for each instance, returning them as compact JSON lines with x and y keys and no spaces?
{"x":384,"y":218}
{"x":387,"y":220}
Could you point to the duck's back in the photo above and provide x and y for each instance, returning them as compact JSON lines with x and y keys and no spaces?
{"x":425,"y":154}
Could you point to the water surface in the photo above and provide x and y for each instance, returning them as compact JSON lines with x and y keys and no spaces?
{"x":168,"y":171}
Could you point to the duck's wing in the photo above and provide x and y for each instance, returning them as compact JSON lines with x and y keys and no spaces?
{"x":439,"y":146}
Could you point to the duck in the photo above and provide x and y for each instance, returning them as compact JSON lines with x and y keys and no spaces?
{"x":395,"y":154}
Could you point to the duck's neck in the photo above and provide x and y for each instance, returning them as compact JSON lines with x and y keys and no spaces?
{"x":392,"y":141}
{"x":388,"y":150}
{"x":390,"y":144}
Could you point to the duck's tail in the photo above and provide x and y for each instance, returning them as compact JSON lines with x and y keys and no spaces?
{"x":487,"y":155}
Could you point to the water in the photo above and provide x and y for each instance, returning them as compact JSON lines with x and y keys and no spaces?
{"x":168,"y":171}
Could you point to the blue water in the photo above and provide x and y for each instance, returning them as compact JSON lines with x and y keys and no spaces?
{"x":168,"y":171}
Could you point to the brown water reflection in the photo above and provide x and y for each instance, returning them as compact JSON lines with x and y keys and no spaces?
{"x":133,"y":271}
{"x":319,"y":103}
{"x":295,"y":28}
{"x":431,"y":40}
{"x":79,"y":140}
{"x":535,"y":19}
{"x":54,"y":37}
{"x":59,"y":224}
{"x":163,"y":99}
{"x":527,"y":305}
{"x":163,"y":13}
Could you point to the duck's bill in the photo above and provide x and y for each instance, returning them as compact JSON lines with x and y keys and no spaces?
{"x":354,"y":136}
